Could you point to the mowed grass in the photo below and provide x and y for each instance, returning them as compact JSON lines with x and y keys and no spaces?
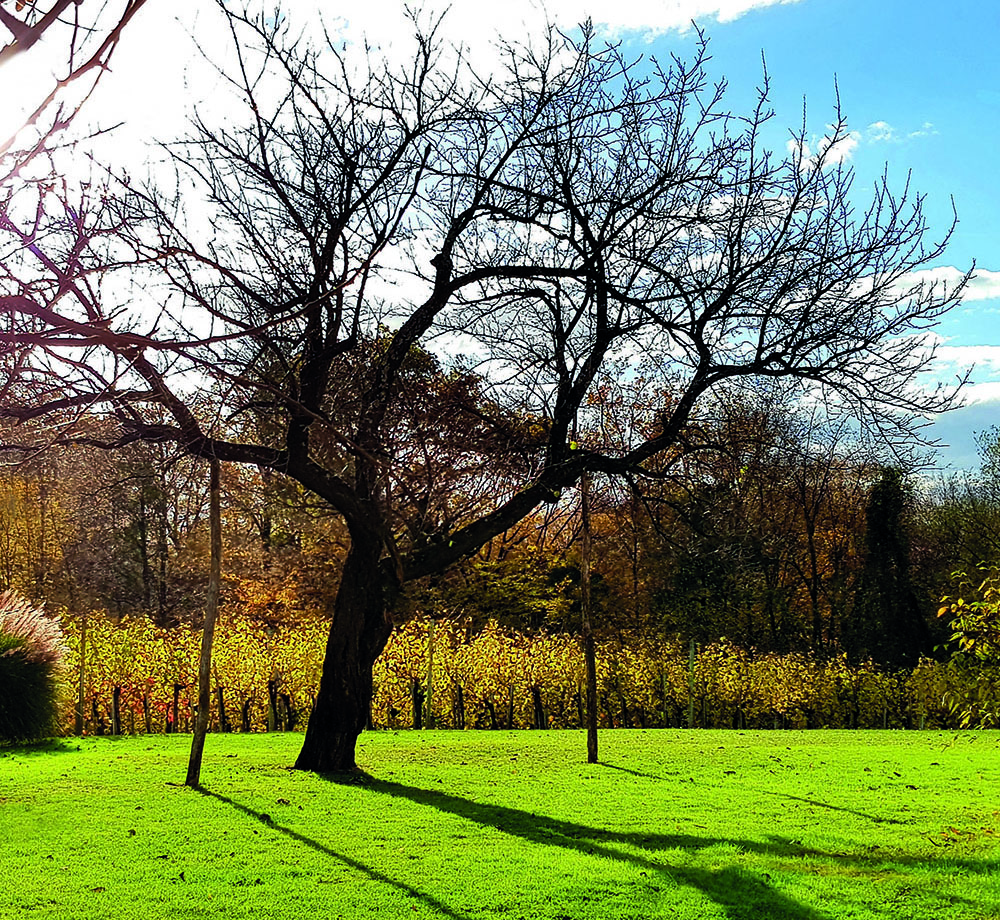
{"x":680,"y":824}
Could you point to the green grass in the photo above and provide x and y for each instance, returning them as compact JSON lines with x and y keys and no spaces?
{"x":697,"y":824}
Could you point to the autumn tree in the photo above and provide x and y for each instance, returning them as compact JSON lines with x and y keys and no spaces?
{"x":549,"y":220}
{"x":960,"y":523}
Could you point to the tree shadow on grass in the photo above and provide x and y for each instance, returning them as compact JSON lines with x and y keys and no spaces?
{"x":612,"y":766}
{"x":355,"y":864}
{"x":739,"y":893}
{"x":875,"y":819}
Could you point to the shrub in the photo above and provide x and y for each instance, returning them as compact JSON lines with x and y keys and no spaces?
{"x":31,"y":657}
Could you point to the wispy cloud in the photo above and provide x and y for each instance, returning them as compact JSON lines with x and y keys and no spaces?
{"x":657,"y":18}
{"x":881,"y":132}
{"x":159,"y":73}
{"x":978,"y":394}
{"x":985,"y":357}
{"x":952,"y":362}
{"x":926,"y":130}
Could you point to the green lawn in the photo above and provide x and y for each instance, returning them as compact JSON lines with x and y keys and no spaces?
{"x":680,"y":824}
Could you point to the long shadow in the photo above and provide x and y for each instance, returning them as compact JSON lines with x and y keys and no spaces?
{"x":739,"y":894}
{"x":373,"y":874}
{"x":612,"y":766}
{"x":876,"y":819}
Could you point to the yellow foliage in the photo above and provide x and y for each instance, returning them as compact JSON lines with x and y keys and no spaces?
{"x":493,"y":678}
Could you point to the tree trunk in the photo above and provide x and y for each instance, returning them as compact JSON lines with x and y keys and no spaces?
{"x":272,"y":705}
{"x":538,"y":709}
{"x":224,"y":725}
{"x":211,"y":615}
{"x":589,"y":650}
{"x":417,"y":703}
{"x":174,"y":713}
{"x":358,"y":634}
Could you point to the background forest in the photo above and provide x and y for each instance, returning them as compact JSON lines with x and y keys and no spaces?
{"x":785,"y":578}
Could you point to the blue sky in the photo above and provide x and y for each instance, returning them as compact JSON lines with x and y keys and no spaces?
{"x":919,"y":83}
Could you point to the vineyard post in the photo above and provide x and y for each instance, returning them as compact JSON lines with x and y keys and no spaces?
{"x":429,"y":693}
{"x":691,"y":655}
{"x":82,"y":687}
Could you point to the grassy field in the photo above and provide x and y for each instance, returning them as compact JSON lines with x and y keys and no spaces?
{"x":695,"y":824}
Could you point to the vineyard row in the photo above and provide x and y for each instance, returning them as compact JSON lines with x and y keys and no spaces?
{"x":136,"y":678}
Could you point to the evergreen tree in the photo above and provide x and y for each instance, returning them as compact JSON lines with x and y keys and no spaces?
{"x":887,"y":624}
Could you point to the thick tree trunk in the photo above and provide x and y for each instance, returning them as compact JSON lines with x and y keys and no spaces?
{"x":358,"y":634}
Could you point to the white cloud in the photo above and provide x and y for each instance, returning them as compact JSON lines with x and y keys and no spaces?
{"x":157,"y":72}
{"x":880,"y":131}
{"x":832,"y":150}
{"x":952,"y":362}
{"x":839,"y":150}
{"x":984,"y":285}
{"x":474,"y":21}
{"x":978,"y":394}
{"x":156,"y":68}
{"x":984,"y":357}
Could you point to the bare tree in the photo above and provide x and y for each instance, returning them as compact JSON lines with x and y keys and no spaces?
{"x":85,"y":33}
{"x":552,"y":221}
{"x":79,"y":38}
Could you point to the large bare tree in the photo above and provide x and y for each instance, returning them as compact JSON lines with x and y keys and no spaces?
{"x":561,"y":220}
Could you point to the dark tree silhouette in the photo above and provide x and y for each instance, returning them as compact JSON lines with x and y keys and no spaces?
{"x":553,"y":221}
{"x":887,"y":624}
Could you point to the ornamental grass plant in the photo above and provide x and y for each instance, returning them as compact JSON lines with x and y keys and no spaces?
{"x":31,"y":665}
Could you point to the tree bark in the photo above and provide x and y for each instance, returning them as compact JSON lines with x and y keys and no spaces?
{"x":357,"y":636}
